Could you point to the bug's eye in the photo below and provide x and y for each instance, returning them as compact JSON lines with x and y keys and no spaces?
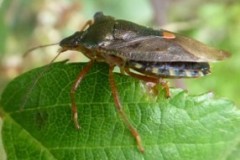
{"x":98,"y":15}
{"x":72,"y":41}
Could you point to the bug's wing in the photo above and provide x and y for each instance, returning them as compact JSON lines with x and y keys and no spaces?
{"x":200,"y":50}
{"x":159,"y":49}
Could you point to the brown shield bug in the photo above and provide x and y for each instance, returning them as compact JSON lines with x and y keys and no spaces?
{"x":151,"y":54}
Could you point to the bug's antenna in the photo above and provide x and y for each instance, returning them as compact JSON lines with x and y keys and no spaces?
{"x":32,"y":85}
{"x":37,"y":47}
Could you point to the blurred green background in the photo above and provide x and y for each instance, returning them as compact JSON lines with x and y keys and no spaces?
{"x":27,"y":23}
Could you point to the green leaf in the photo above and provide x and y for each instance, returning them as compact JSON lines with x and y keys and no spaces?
{"x":181,"y":127}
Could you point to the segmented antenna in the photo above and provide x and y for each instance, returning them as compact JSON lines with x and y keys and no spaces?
{"x":37,"y":47}
{"x":34,"y":82}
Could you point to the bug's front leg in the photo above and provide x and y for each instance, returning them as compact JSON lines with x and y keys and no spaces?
{"x":121,"y":111}
{"x":154,"y":80}
{"x":88,"y":23}
{"x":83,"y":72}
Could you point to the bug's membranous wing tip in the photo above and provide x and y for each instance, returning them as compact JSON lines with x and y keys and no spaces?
{"x":217,"y":55}
{"x":200,"y":50}
{"x":225,"y":54}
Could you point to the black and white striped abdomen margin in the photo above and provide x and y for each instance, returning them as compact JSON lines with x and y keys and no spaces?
{"x":170,"y":69}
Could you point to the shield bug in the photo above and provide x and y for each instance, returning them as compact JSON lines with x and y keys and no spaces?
{"x":144,"y":53}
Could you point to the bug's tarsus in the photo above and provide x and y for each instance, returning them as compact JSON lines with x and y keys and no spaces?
{"x":165,"y":87}
{"x":37,"y":47}
{"x":120,"y":110}
{"x":151,"y":88}
{"x":78,"y":80}
{"x":155,"y":81}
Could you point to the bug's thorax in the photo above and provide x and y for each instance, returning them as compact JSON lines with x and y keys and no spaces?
{"x":90,"y":41}
{"x":87,"y":40}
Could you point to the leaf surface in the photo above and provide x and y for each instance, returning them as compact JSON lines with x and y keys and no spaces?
{"x":37,"y":120}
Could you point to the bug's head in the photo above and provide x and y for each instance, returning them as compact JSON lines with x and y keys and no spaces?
{"x":72,"y":42}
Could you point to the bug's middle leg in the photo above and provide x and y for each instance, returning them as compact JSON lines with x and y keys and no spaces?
{"x":121,"y":111}
{"x":78,"y":80}
{"x":154,"y":80}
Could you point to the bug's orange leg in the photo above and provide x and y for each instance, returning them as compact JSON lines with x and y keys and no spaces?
{"x":121,"y":111}
{"x":87,"y":24}
{"x":151,"y":88}
{"x":73,"y":91}
{"x":142,"y":77}
{"x":151,"y":79}
{"x":165,"y":86}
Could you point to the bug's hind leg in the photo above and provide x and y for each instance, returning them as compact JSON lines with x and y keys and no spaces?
{"x":78,"y":80}
{"x":119,"y":108}
{"x":165,"y":86}
{"x":152,"y":87}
